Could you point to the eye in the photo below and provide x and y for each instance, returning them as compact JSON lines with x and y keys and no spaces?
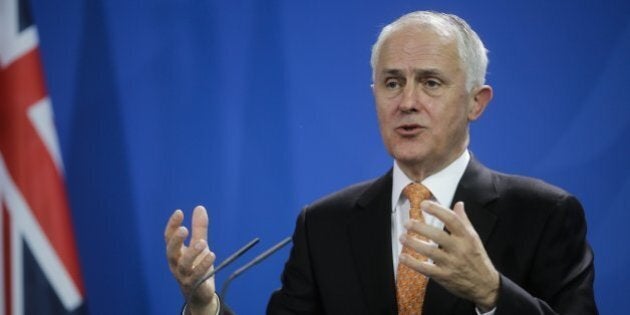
{"x":432,"y":84}
{"x":392,"y":84}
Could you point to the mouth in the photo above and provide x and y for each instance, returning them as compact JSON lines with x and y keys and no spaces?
{"x":409,"y":129}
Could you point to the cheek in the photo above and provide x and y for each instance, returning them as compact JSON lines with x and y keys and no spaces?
{"x":383,"y":113}
{"x":454,"y":125}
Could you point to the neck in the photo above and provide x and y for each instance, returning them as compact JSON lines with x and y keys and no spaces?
{"x":419,"y":171}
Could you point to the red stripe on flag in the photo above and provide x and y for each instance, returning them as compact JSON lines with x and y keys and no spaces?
{"x":28,"y":161}
{"x":21,"y":83}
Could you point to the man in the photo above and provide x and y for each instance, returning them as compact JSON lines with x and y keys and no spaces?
{"x":510,"y":245}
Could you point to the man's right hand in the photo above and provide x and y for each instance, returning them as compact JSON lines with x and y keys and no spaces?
{"x":192,"y":262}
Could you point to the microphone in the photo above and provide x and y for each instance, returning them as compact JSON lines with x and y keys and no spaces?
{"x":222,"y":265}
{"x":252,"y":263}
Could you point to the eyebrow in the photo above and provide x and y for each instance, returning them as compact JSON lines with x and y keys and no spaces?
{"x":431,"y":72}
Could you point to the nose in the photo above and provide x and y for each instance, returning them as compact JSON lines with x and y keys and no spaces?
{"x":409,"y":101}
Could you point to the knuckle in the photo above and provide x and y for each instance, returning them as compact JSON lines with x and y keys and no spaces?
{"x":205,"y":263}
{"x":423,"y":248}
{"x":169,"y":234}
{"x":417,"y":225}
{"x":172,"y":261}
{"x":211,"y":257}
{"x":171,"y":250}
{"x":173,"y":241}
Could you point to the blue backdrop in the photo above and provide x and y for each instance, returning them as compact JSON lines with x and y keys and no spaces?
{"x":168,"y":104}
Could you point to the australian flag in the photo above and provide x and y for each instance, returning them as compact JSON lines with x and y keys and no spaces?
{"x":40,"y":272}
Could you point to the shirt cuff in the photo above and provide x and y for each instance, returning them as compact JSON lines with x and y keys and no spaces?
{"x":218,"y":306}
{"x":490,"y":312}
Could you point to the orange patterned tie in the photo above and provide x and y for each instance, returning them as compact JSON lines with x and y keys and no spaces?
{"x":410,"y":284}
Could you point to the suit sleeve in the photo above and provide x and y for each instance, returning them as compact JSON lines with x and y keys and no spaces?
{"x":561,"y":276}
{"x":298,"y":294}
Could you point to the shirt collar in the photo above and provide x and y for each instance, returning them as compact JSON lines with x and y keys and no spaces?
{"x":441,"y":184}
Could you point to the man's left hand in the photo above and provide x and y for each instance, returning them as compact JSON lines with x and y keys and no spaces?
{"x":460,"y":263}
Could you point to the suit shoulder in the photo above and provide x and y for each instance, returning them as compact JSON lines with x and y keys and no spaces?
{"x":345,"y":197}
{"x":529,"y":188}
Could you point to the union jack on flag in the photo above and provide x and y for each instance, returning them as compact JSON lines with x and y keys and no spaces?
{"x":40,"y":271}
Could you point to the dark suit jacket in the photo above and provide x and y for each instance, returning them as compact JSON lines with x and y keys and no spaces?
{"x":534,"y":233}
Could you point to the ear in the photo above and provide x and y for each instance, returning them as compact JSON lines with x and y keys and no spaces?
{"x":480,"y":100}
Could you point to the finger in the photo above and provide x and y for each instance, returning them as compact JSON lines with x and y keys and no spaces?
{"x":428,"y":250}
{"x":204,"y":265}
{"x":460,"y":211}
{"x":186,"y":263}
{"x":174,"y":245}
{"x":438,"y":236}
{"x":173,"y":223}
{"x":424,"y":267}
{"x":451,"y":221}
{"x":199,"y":224}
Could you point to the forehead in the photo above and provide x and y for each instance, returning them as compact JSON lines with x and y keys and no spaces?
{"x":419,"y":47}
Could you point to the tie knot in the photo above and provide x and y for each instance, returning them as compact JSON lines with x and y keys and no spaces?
{"x":416,"y":193}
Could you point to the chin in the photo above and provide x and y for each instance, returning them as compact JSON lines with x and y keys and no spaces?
{"x":408,"y":150}
{"x":409,"y":157}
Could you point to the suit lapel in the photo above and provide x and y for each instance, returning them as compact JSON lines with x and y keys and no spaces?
{"x":476,"y":189}
{"x":369,"y":231}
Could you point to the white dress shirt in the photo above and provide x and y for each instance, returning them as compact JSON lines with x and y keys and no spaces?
{"x":442,"y":186}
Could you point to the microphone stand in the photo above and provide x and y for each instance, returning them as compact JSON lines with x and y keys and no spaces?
{"x":250,"y":264}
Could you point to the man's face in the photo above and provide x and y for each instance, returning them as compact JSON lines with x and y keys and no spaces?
{"x":422,"y":102}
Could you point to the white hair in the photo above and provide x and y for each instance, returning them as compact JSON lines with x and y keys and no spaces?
{"x":472,"y":53}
